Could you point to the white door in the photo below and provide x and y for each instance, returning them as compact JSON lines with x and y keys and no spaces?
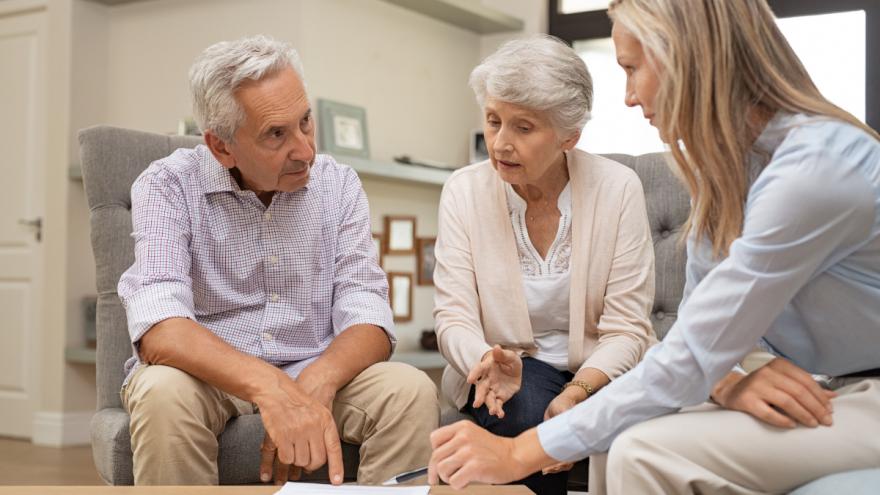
{"x":22,"y":156}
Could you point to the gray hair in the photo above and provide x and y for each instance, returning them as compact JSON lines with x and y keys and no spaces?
{"x":542,"y":73}
{"x":223,"y":67}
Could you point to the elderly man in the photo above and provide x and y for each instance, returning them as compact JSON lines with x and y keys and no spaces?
{"x":255,"y":289}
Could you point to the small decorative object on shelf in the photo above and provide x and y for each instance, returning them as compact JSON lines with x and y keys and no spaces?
{"x":187,"y":127}
{"x":478,"y":151}
{"x":428,"y":341}
{"x":400,"y":234}
{"x":425,"y":260}
{"x":408,"y":160}
{"x":400,"y":293}
{"x":343,"y":129}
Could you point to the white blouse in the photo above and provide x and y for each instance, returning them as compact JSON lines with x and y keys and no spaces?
{"x":546,"y":280}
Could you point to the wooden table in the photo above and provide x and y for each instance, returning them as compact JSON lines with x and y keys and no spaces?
{"x":224,"y":490}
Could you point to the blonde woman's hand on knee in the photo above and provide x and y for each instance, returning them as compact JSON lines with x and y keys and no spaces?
{"x":778,"y":393}
{"x":497,"y":378}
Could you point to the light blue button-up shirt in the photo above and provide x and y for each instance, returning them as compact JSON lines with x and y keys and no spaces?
{"x":277,"y":282}
{"x":803,"y":279}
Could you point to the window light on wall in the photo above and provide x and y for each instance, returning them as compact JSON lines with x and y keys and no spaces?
{"x":835,"y":62}
{"x":575,"y":6}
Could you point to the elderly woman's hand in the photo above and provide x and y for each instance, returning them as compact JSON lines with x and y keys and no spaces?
{"x":497,"y":378}
{"x":566,"y":399}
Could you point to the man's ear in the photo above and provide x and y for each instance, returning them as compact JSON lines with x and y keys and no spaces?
{"x":220,"y":149}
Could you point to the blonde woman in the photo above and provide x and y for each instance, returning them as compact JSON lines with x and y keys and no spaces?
{"x":783,"y":251}
{"x":543,"y":252}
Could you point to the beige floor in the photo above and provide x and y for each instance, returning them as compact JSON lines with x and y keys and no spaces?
{"x":23,"y":463}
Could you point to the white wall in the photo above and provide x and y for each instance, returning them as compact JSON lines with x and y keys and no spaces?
{"x":88,"y":106}
{"x":407,"y":70}
{"x":126,"y":65}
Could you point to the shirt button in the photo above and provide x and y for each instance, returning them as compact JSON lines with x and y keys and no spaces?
{"x":267,"y":336}
{"x":273,"y":259}
{"x":660,"y":315}
{"x":273,"y":297}
{"x":267,"y":216}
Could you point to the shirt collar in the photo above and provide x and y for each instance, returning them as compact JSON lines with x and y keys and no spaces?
{"x":774,"y":132}
{"x":217,"y":178}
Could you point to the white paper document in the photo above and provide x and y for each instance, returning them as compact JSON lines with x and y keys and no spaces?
{"x":290,"y":488}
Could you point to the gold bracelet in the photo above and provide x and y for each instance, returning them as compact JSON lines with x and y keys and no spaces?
{"x":582,"y":384}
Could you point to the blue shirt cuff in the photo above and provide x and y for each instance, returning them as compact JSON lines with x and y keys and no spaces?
{"x":559,"y":440}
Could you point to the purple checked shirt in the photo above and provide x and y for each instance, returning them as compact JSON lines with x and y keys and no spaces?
{"x":278,"y":283}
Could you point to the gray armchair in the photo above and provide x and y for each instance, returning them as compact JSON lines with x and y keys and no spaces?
{"x":112,"y":158}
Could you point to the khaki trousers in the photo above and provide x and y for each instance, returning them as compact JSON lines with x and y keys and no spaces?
{"x":389,"y":409}
{"x":708,"y":449}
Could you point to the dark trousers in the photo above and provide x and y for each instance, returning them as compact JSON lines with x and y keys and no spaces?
{"x":541,"y":383}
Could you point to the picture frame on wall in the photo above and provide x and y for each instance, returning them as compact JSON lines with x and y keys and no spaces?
{"x":400,"y":234}
{"x":425,"y":260}
{"x":400,"y":295}
{"x":378,"y":245}
{"x":343,"y":129}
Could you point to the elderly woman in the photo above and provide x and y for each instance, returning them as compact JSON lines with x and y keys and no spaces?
{"x":783,"y":249}
{"x":545,"y":267}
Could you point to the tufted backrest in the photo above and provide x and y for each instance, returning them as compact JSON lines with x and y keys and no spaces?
{"x":112,"y":158}
{"x":668,"y":208}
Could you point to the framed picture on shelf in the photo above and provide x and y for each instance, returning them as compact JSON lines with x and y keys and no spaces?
{"x":343,"y":129}
{"x":378,"y":245}
{"x":425,"y":260}
{"x":400,"y":293}
{"x":400,"y":234}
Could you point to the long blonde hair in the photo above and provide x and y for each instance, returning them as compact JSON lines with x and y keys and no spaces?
{"x":718,"y":60}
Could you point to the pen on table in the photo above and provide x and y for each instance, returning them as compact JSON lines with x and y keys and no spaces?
{"x":404,"y":477}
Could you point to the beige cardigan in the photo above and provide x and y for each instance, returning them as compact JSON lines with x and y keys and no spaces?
{"x":480,"y":300}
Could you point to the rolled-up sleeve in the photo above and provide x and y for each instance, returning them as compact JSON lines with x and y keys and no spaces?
{"x":158,"y":285}
{"x":803,"y":214}
{"x":360,"y":289}
{"x":624,"y":328}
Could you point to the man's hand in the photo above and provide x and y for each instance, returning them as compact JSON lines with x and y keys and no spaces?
{"x":497,"y":378}
{"x":317,"y":389}
{"x":778,"y":393}
{"x":300,"y":432}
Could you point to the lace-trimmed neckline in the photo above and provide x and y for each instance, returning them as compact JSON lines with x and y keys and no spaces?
{"x":559,"y":255}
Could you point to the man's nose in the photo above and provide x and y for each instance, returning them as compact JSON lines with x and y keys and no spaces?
{"x":302,"y":149}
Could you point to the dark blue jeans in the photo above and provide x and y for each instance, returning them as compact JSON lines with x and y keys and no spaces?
{"x":541,"y":383}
